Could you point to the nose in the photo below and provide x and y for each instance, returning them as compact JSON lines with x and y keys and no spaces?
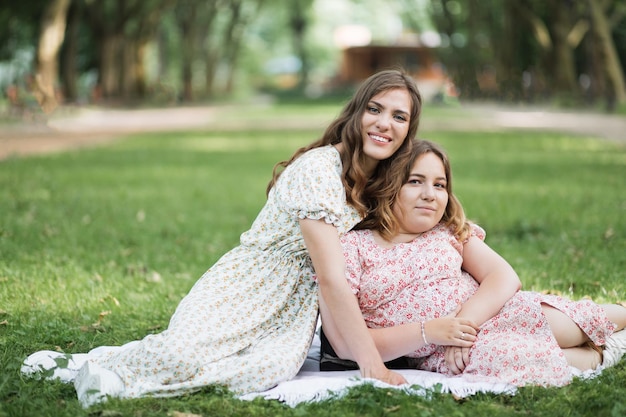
{"x":383,"y":121}
{"x":428,"y":192}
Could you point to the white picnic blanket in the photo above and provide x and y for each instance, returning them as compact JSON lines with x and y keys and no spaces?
{"x":309,"y":385}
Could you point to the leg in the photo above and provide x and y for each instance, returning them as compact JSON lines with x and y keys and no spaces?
{"x":615,"y":347}
{"x":565,"y":330}
{"x":583,"y":358}
{"x":617,"y":314}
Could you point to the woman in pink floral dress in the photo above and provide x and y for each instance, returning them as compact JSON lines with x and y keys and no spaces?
{"x":417,"y":258}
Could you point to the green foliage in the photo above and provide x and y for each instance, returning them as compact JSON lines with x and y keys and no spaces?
{"x":97,"y":247}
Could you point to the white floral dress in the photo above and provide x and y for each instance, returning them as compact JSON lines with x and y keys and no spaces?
{"x":249,"y":320}
{"x":422,"y":280}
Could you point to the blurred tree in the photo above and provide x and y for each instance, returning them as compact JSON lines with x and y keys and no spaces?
{"x":488,"y":54}
{"x":242,"y":12}
{"x":507,"y":50}
{"x":69,"y":53}
{"x":558,"y":28}
{"x":186,"y":12}
{"x":19,"y":25}
{"x":122,"y":30}
{"x":464,"y":23}
{"x":211,"y":33}
{"x":605,"y":15}
{"x":51,"y":37}
{"x":299,"y":19}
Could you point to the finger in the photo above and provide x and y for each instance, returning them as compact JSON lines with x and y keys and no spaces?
{"x":458,"y":360}
{"x":468,"y":337}
{"x":449,"y":358}
{"x":397,"y":379}
{"x":470,"y":324}
{"x":465,"y":355}
{"x":452,"y":365}
{"x":469,"y":330}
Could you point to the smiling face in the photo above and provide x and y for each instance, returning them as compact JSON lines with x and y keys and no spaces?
{"x":422,"y":200}
{"x":385,"y":125}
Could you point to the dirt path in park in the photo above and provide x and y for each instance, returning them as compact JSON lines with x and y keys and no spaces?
{"x":96,"y":127}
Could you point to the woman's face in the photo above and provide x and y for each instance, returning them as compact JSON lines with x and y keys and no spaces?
{"x":422,"y":200}
{"x":385,"y":125}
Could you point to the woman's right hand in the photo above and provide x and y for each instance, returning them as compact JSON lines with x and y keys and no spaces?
{"x":451,"y":331}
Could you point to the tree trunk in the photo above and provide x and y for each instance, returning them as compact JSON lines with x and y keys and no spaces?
{"x":231,"y":43}
{"x":562,"y":63}
{"x":128,"y":69}
{"x":186,"y":17}
{"x":123,"y":28}
{"x":50,"y":40}
{"x":210,"y":70}
{"x":616,"y":90}
{"x":69,"y":65}
{"x":109,"y":82}
{"x":208,"y":48}
{"x":299,"y":22}
{"x":140,"y":68}
{"x":507,"y":46}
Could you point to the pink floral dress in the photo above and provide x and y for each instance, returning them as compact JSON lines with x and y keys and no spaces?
{"x":423,"y":280}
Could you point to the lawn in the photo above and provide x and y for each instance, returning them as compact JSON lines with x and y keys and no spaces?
{"x":98,"y":246}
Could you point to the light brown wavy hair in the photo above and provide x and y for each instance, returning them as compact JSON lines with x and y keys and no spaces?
{"x":387,"y":188}
{"x":346,"y":129}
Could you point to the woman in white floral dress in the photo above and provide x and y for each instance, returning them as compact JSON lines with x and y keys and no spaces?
{"x":249,"y":320}
{"x":416,"y":258}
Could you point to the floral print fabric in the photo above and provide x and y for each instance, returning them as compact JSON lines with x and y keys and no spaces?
{"x":249,"y":320}
{"x":422,"y":280}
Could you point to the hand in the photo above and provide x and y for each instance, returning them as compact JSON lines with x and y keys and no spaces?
{"x":385,"y":375}
{"x":457,"y":358}
{"x":451,"y":331}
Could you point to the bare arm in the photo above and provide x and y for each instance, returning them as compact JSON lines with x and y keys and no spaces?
{"x":400,"y":340}
{"x":498,"y":281}
{"x":322,"y":242}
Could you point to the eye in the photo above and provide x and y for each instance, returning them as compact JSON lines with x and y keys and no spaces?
{"x":440,"y":185}
{"x":373,"y":109}
{"x":414,"y":181}
{"x":400,"y":117}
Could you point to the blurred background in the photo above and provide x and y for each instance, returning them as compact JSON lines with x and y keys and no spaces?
{"x":568,"y":53}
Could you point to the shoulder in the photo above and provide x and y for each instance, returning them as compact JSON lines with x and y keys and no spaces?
{"x":476,"y":230}
{"x":324,"y":155}
{"x":355,"y":236}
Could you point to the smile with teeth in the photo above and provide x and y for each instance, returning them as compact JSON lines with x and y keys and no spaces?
{"x":380,"y":138}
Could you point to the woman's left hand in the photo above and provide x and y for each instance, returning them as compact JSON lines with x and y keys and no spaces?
{"x":457,"y":358}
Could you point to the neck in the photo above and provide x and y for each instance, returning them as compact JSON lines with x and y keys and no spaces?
{"x":396,"y":239}
{"x":404,"y":237}
{"x":369,"y":166}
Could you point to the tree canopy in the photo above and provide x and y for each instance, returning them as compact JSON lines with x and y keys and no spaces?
{"x":168,"y":51}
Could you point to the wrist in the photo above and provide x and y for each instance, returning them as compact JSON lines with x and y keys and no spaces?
{"x":423,"y":333}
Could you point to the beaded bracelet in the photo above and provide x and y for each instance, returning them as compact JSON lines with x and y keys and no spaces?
{"x":423,"y":333}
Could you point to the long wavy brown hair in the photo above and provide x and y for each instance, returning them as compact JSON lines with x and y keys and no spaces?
{"x":346,"y":129}
{"x":387,"y":188}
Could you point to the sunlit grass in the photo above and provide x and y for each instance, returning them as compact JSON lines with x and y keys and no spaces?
{"x":97,"y":247}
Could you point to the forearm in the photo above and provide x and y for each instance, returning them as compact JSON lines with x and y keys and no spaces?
{"x":497,"y":278}
{"x":351,"y":339}
{"x":401,"y":340}
{"x":494,"y":291}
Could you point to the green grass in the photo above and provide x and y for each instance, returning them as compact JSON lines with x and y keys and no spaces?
{"x":97,"y":247}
